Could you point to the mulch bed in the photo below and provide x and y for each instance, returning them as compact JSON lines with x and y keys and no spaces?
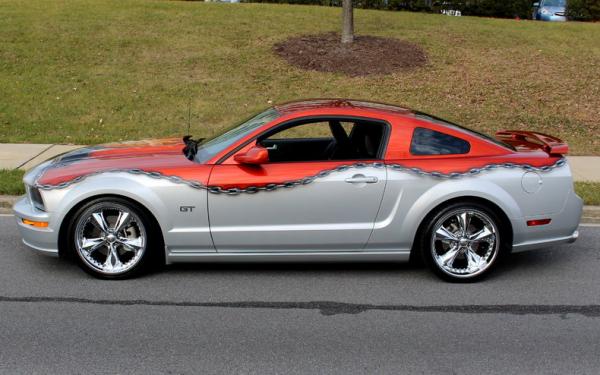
{"x":367,"y":55}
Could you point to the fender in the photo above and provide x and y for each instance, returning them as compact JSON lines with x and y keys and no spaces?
{"x":117,"y":184}
{"x":441,"y":193}
{"x":181,"y":212}
{"x":409,"y":212}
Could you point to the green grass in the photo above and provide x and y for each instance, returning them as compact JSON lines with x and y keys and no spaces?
{"x":89,"y":71}
{"x":11,"y":182}
{"x":589,"y":192}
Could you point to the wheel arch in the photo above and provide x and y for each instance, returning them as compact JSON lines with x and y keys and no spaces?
{"x":63,"y":240}
{"x":495,"y":208}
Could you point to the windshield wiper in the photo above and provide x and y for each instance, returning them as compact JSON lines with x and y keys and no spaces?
{"x":191,"y":146}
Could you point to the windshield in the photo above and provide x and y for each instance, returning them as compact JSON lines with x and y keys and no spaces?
{"x":214,"y":145}
{"x":430,"y":118}
{"x":554,"y":3}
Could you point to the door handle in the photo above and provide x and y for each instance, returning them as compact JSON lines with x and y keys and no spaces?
{"x":362,"y":179}
{"x":271,"y":148}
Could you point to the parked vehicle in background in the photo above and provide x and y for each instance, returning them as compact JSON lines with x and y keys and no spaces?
{"x":550,"y":10}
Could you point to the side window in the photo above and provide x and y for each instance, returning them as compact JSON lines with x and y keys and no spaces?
{"x":330,"y":139}
{"x":430,"y":142}
{"x":348,"y":126}
{"x":311,"y":130}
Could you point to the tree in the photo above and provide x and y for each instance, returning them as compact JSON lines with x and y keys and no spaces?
{"x":347,"y":22}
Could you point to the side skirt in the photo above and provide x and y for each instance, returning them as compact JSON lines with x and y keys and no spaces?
{"x":338,"y":256}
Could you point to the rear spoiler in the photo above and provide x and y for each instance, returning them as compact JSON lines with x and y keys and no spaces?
{"x":548,"y":143}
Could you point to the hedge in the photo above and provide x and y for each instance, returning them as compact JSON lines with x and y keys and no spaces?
{"x":585,"y":10}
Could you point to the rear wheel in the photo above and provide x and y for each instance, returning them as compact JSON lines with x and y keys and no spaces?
{"x":113,"y":238}
{"x":463,"y":242}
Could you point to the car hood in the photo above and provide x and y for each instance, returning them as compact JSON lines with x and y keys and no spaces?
{"x":123,"y":150}
{"x":157,"y":155}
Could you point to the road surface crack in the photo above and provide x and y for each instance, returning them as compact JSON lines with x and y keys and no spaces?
{"x":333,"y":308}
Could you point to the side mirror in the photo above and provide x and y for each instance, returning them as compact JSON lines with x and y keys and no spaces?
{"x":256,"y":155}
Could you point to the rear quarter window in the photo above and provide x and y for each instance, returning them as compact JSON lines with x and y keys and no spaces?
{"x":431,"y":142}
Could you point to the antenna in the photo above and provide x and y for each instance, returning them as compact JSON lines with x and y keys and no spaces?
{"x":189,"y":114}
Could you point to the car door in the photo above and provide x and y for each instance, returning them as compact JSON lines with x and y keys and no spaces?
{"x":296,"y":206}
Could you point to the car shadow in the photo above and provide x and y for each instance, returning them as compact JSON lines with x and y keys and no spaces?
{"x":519,"y":265}
{"x":299,"y":267}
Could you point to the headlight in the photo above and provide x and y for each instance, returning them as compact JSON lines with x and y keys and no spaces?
{"x":546,"y":11}
{"x":35,"y":197}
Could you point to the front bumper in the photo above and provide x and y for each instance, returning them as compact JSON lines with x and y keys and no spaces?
{"x":552,"y":18}
{"x":44,"y":240}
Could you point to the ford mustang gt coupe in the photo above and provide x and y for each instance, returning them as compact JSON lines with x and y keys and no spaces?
{"x":323,"y":180}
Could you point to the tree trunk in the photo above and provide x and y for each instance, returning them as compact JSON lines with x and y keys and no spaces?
{"x":347,"y":22}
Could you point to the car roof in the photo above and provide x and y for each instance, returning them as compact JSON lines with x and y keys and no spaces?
{"x":324,"y":104}
{"x":335,"y":104}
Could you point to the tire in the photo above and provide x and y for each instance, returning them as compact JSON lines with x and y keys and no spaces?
{"x":113,"y":238}
{"x":458,"y":256}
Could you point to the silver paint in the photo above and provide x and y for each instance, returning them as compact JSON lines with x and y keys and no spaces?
{"x":327,"y":218}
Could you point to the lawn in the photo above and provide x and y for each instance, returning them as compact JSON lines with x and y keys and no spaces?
{"x":589,"y":192}
{"x":10,"y":182}
{"x":90,"y":71}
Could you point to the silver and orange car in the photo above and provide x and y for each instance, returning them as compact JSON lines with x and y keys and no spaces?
{"x":322,"y":180}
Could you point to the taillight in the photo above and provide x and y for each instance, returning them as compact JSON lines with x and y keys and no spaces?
{"x":537,"y":222}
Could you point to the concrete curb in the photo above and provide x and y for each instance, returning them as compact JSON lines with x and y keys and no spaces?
{"x":591,"y":214}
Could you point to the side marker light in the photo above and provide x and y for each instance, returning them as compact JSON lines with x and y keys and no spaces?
{"x":37,"y":224}
{"x":537,"y":222}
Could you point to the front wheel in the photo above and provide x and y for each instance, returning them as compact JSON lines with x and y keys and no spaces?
{"x":463,"y":242}
{"x":112,"y":238}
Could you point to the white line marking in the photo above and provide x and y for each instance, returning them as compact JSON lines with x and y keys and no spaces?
{"x":6,"y":215}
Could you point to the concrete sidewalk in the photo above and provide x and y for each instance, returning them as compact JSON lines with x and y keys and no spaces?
{"x":25,"y":156}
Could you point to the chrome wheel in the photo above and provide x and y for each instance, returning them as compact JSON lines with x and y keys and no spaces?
{"x":464,"y":243}
{"x":110,"y":238}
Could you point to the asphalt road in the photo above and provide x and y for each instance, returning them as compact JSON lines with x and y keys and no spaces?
{"x":540,"y":313}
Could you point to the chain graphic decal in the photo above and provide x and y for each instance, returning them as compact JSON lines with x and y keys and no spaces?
{"x":305,"y":180}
